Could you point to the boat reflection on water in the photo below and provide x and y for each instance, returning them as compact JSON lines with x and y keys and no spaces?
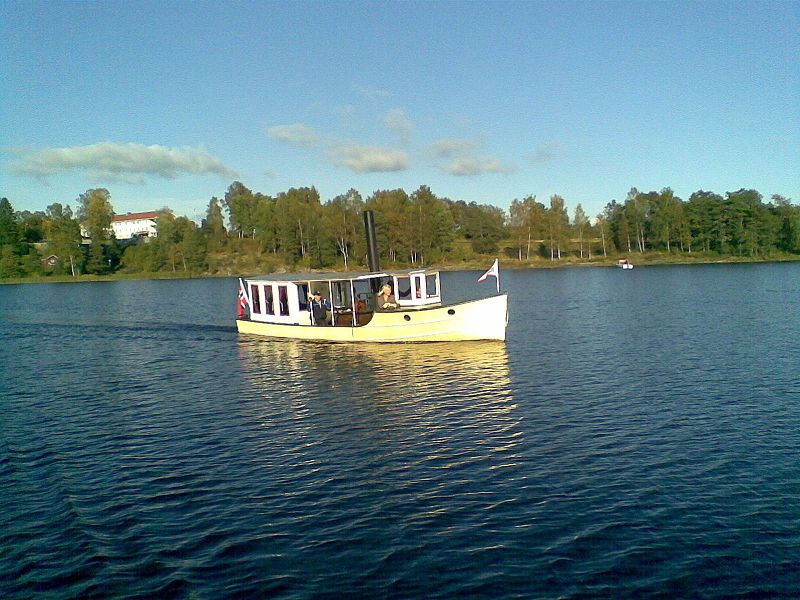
{"x":427,"y":371}
{"x":414,"y":393}
{"x":385,"y":449}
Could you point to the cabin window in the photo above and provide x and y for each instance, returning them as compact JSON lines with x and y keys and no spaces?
{"x":268,"y":303}
{"x":283,"y":300}
{"x":341,"y":294}
{"x":256,"y":298}
{"x":302,"y":296}
{"x":403,"y":288}
{"x":431,"y":288}
{"x":418,"y":286}
{"x":364,"y":296}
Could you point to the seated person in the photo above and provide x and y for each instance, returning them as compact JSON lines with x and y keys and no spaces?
{"x":319,"y":309}
{"x":385,"y":299}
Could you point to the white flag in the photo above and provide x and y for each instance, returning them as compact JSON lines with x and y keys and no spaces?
{"x":494,"y":271}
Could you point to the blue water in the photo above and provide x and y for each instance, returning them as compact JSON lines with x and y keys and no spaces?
{"x":637,"y":436}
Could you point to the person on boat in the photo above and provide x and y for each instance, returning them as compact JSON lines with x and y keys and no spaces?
{"x":319,"y":307}
{"x":386,"y":299}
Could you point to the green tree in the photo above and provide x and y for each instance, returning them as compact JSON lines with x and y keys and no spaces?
{"x":752,"y":228}
{"x":298,"y":215}
{"x":9,"y":262}
{"x":63,"y":235}
{"x":788,"y":217}
{"x":96,"y":262}
{"x":344,"y":222}
{"x":95,"y":213}
{"x":618,"y":224}
{"x":557,"y":226}
{"x":193,"y":247}
{"x":666,"y":218}
{"x":482,"y":225}
{"x":527,"y":223}
{"x":604,"y":229}
{"x":581,"y":225}
{"x":636,"y":209}
{"x":142,"y":258}
{"x":706,"y":226}
{"x":213,"y":226}
{"x":30,"y":226}
{"x":241,"y":205}
{"x":431,"y":225}
{"x":265,"y":224}
{"x":9,"y":232}
{"x":169,"y":234}
{"x":392,"y":223}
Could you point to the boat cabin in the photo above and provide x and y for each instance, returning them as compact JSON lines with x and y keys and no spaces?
{"x":350,"y":299}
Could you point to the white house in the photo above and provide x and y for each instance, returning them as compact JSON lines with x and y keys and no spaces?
{"x":130,"y":225}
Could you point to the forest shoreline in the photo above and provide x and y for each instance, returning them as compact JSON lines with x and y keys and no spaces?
{"x":639,"y":260}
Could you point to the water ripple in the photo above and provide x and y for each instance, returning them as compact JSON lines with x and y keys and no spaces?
{"x":627,"y":441}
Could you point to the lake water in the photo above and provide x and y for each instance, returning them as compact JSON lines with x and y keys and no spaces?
{"x":637,"y":436}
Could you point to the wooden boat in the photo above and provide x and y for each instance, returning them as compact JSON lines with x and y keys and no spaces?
{"x":346,"y":307}
{"x":280,"y":307}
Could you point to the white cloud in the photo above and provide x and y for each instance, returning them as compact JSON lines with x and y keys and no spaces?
{"x":106,"y":161}
{"x":369,"y":159}
{"x":356,"y":157}
{"x":462,"y":159}
{"x":467,"y":166}
{"x":297,"y":134}
{"x":399,"y":124}
{"x":452,"y":147}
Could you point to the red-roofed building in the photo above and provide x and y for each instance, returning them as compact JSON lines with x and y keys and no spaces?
{"x":141,"y":224}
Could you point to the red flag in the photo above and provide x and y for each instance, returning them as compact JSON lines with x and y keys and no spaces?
{"x":494,"y":271}
{"x":242,"y":303}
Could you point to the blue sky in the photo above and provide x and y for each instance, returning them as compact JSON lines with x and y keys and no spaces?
{"x":167,"y":103}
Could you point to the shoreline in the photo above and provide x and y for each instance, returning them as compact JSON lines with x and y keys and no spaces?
{"x":643,"y":260}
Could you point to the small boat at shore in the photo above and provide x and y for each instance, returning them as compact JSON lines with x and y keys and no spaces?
{"x":624,"y":263}
{"x":349,"y":307}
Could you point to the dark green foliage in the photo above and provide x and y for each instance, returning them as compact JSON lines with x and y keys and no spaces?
{"x":9,"y":232}
{"x":9,"y":262}
{"x":296,"y":229}
{"x":97,"y":263}
{"x":30,"y":226}
{"x":527,"y":224}
{"x":484,"y":226}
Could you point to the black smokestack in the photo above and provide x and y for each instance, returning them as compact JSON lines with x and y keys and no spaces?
{"x":372,"y":243}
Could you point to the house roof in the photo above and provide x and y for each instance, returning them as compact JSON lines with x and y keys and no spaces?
{"x":135,"y":216}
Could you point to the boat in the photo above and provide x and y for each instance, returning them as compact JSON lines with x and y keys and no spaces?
{"x":345,"y":307}
{"x":624,"y":263}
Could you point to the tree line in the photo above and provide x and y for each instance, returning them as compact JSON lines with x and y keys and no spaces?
{"x":247,"y":231}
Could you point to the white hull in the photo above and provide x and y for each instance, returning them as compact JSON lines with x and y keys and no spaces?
{"x":484,"y":319}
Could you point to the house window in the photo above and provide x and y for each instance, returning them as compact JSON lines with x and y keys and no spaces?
{"x":255,"y":296}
